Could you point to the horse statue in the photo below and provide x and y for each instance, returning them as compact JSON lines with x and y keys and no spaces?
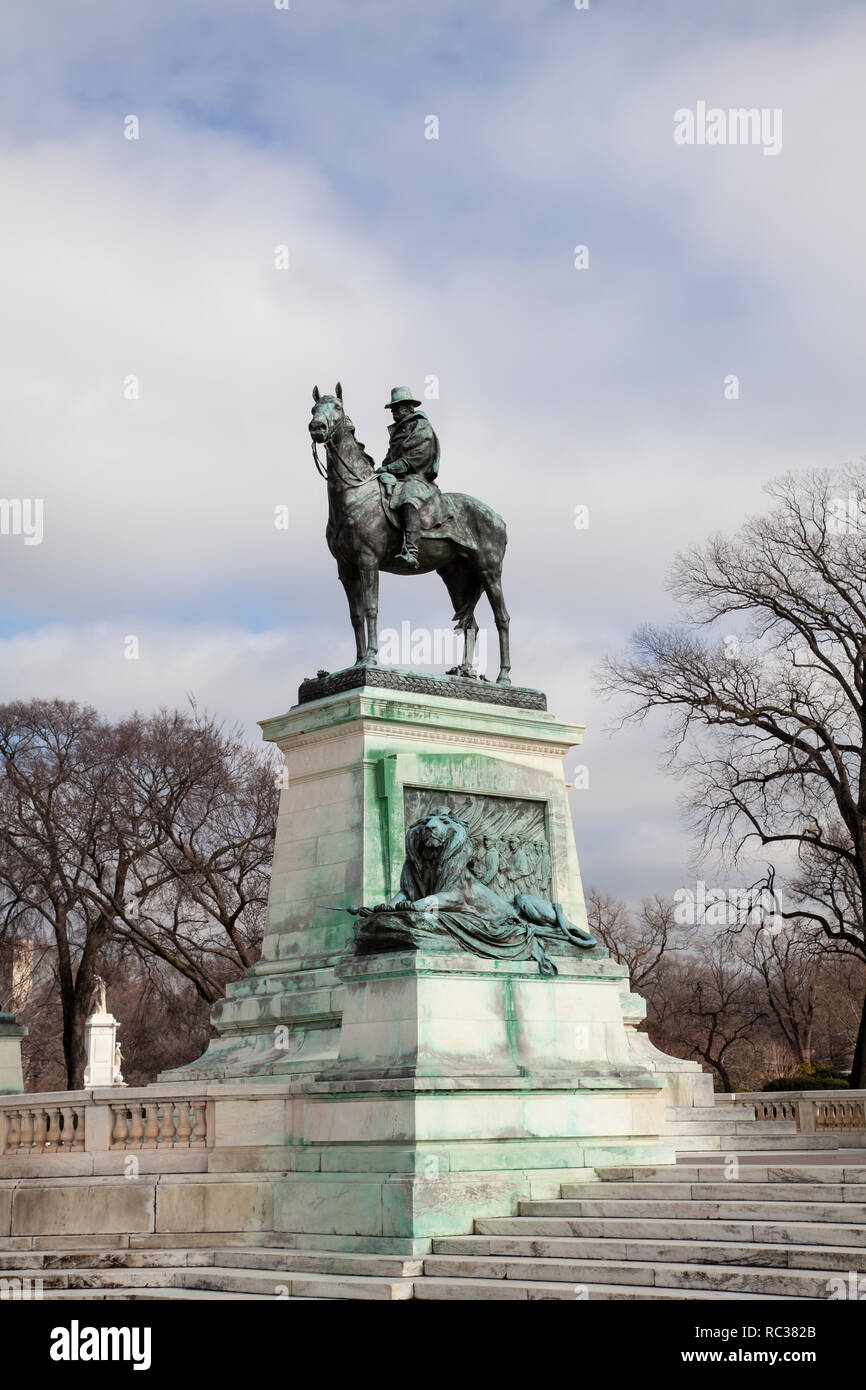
{"x":462,"y":539}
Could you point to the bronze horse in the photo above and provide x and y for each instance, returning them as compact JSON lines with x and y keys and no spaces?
{"x":363,"y":540}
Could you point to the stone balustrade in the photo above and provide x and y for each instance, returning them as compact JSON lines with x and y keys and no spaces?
{"x":157,"y":1124}
{"x":41,"y":1129}
{"x":813,"y":1111}
{"x":72,"y":1122}
{"x":840,"y":1112}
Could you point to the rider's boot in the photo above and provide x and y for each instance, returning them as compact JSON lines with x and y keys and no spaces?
{"x":411,"y":531}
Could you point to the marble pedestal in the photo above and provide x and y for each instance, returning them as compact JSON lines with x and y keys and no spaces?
{"x":354,"y":762}
{"x":100,"y":1038}
{"x":423,"y":1089}
{"x":463,"y":1085}
{"x":12,"y":1034}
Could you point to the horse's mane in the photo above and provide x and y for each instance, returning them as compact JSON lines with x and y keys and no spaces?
{"x":422,"y":876}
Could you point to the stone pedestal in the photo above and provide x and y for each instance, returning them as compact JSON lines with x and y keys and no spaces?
{"x":358,"y":764}
{"x":100,"y":1041}
{"x":461,"y":1086}
{"x":422,"y":1089}
{"x":12,"y":1035}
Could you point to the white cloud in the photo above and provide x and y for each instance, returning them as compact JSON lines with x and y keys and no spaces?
{"x":154,"y":258}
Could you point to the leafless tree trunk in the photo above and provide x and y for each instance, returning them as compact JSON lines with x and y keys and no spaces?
{"x":764,"y":685}
{"x":152,"y":837}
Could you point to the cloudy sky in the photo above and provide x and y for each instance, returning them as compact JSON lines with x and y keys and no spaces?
{"x":410,"y":258}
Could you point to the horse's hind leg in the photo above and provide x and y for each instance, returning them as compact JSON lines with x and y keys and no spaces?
{"x":464,"y":589}
{"x":493,"y":589}
{"x":351,"y":582}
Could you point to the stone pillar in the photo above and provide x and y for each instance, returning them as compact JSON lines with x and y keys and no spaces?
{"x":101,"y":1048}
{"x":11,"y":1037}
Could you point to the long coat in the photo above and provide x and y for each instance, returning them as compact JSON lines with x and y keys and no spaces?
{"x":413,"y":458}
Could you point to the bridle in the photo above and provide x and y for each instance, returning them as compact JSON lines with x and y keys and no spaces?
{"x":325,"y":472}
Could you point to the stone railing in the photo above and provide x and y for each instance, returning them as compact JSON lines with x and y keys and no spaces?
{"x":130,"y":1131}
{"x":41,"y":1129}
{"x":75,"y":1122}
{"x":813,"y":1111}
{"x":158,"y":1124}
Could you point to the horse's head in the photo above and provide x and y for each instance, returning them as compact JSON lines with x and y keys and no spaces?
{"x":328,"y":415}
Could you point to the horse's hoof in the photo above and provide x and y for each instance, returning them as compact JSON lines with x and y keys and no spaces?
{"x":503,"y":678}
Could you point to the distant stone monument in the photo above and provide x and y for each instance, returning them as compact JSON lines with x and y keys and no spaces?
{"x":100,"y":1042}
{"x":12,"y":1034}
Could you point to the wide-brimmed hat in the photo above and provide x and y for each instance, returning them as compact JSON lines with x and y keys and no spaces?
{"x":401,"y":395}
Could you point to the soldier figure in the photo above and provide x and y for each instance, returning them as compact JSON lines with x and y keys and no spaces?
{"x":489,"y":867}
{"x":408,"y":472}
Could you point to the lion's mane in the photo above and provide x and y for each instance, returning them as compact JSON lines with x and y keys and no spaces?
{"x":423,"y":876}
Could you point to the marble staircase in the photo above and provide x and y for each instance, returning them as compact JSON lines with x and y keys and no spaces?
{"x":685,"y":1231}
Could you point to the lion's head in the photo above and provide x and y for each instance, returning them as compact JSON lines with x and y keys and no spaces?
{"x":438,"y":850}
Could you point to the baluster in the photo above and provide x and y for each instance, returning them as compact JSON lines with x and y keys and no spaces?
{"x":67,"y":1128}
{"x":119,"y":1132}
{"x":26,"y":1129}
{"x":184,"y":1128}
{"x":78,"y":1127}
{"x":13,"y":1129}
{"x":166,"y":1128}
{"x":151,"y":1125}
{"x":136,"y":1133}
{"x":199,"y":1127}
{"x":39,"y":1128}
{"x":52,"y":1138}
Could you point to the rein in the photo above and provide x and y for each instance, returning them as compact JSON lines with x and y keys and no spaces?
{"x":326,"y":473}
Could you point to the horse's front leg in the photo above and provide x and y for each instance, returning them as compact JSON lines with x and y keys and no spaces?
{"x":351,"y":582}
{"x":370,"y":603}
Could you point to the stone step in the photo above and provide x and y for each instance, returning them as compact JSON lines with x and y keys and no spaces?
{"x":751,"y":1172}
{"x":703,"y":1112}
{"x":491,"y":1289}
{"x":736,"y":1190}
{"x":139,"y":1295}
{"x":722,"y":1124}
{"x":39,"y":1260}
{"x":217,"y":1279}
{"x":775,"y":1256}
{"x":732,"y":1208}
{"x":762,"y":1139}
{"x":799,"y":1233}
{"x":295,"y":1283}
{"x":323,"y":1262}
{"x":781,"y":1283}
{"x":301,"y":1261}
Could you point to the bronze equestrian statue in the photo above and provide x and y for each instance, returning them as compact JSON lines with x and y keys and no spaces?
{"x":397,"y":520}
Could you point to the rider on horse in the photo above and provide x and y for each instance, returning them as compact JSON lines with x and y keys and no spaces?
{"x":408,"y":472}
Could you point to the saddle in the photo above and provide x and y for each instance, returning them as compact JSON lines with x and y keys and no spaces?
{"x":439,"y":516}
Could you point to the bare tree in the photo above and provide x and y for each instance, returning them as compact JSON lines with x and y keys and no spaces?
{"x":707,"y":1007}
{"x":764,"y":684}
{"x":639,"y":939}
{"x":153,"y":836}
{"x":788,"y":964}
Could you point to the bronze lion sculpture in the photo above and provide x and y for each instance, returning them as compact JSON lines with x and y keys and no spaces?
{"x":443,"y":905}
